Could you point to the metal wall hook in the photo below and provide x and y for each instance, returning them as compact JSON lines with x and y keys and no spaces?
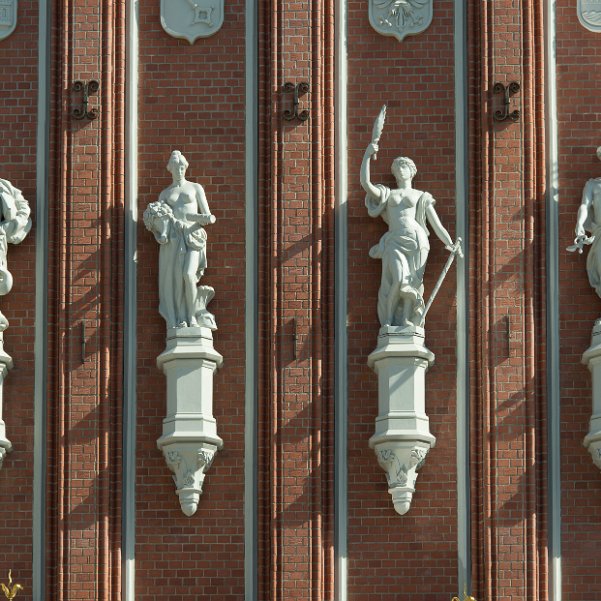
{"x":299,"y":89}
{"x":510,"y":90}
{"x":85,"y":89}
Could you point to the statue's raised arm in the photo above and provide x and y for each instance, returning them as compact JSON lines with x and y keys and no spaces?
{"x":374,"y":193}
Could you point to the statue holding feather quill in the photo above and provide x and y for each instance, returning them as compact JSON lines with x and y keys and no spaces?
{"x":404,"y":248}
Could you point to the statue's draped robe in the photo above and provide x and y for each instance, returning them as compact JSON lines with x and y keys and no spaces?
{"x":14,"y":226}
{"x":408,"y":249}
{"x":172,"y":258}
{"x":593,"y":225}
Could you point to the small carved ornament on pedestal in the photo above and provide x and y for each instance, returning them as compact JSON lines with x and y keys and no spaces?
{"x":15,"y":224}
{"x":402,"y":438}
{"x":189,"y":441}
{"x":466,"y":597}
{"x":588,"y":233}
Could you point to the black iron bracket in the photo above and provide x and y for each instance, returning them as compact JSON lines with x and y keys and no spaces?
{"x":299,"y":89}
{"x":510,"y":90}
{"x":84,"y":90}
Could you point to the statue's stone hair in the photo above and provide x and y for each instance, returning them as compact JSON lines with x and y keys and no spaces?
{"x":402,"y":161}
{"x":176,"y":158}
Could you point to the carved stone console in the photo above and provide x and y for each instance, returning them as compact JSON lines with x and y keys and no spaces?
{"x":592,"y":359}
{"x":402,"y":438}
{"x":189,"y":441}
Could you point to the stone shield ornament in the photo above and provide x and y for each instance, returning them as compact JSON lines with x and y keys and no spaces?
{"x":589,"y":14}
{"x":191,"y":19}
{"x":8,"y":17}
{"x":400,"y":18}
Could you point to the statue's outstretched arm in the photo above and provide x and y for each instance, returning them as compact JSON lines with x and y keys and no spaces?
{"x":203,"y":205}
{"x":583,"y":209}
{"x":366,"y":184}
{"x":437,"y":226}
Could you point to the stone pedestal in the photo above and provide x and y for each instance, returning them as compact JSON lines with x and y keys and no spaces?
{"x":402,"y":438}
{"x":592,"y":359}
{"x":6,"y":363}
{"x":189,"y":441}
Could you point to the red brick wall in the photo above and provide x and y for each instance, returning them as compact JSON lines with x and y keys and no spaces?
{"x":18,"y":94}
{"x":579,"y":107}
{"x":192,"y":99}
{"x":415,"y":554}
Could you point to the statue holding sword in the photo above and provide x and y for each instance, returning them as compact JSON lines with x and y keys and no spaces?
{"x":404,"y":248}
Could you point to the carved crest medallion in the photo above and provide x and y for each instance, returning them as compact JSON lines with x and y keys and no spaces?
{"x":191,"y":19}
{"x":589,"y":14}
{"x":400,"y":18}
{"x":8,"y":17}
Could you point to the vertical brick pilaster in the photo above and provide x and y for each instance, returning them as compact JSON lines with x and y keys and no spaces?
{"x":508,"y":270}
{"x":85,"y":255}
{"x":295,"y":423}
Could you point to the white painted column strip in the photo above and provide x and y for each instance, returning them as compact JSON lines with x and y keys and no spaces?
{"x":553,"y":390}
{"x":463,"y":400}
{"x":251,"y":309}
{"x":41,"y":303}
{"x":130,"y":311}
{"x":340,"y":308}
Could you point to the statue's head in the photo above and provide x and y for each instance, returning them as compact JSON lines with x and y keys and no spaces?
{"x":177,"y":164}
{"x":599,"y":153}
{"x":403,"y":168}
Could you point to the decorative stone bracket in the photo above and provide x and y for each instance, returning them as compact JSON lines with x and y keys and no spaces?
{"x":592,"y":358}
{"x":402,"y":438}
{"x":189,"y":441}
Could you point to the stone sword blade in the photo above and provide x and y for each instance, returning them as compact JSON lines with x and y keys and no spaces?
{"x":441,"y":278}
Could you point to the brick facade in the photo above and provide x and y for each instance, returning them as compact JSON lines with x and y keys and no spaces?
{"x":193,"y":97}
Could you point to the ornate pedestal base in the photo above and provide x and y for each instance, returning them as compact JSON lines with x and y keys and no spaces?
{"x":592,"y":358}
{"x":402,"y":438}
{"x":189,"y":441}
{"x":6,"y":363}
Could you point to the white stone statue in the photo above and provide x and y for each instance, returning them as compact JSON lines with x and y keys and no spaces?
{"x":189,"y":440}
{"x":404,"y":248}
{"x":14,"y":226}
{"x":589,"y":220}
{"x":176,"y":221}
